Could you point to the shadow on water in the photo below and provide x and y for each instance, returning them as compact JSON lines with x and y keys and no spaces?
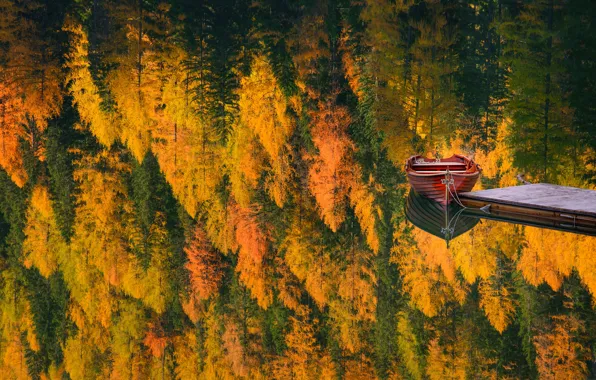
{"x":446,"y":222}
{"x":449,"y":222}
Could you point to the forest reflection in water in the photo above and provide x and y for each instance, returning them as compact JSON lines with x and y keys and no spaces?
{"x":215,"y":189}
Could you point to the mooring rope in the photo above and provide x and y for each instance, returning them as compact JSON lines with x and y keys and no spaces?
{"x":451,"y":181}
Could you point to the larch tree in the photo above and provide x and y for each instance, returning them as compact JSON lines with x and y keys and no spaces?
{"x":389,"y":67}
{"x":540,"y":115}
{"x":355,"y":307}
{"x":11,"y":117}
{"x":542,"y":256}
{"x":253,"y":249}
{"x":204,"y":265}
{"x":447,"y":360}
{"x":263,"y":109}
{"x":559,"y":352}
{"x":301,"y":358}
{"x":127,"y":333}
{"x":329,"y":174}
{"x":428,"y":273}
{"x":44,"y":247}
{"x":187,"y":354}
{"x":498,"y":303}
{"x":83,"y":89}
{"x":31,"y":79}
{"x":408,"y":346}
{"x":307,"y":259}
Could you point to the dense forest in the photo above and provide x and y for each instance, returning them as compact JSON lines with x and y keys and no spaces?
{"x":202,"y":189}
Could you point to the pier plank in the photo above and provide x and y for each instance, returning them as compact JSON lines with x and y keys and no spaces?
{"x":540,"y":196}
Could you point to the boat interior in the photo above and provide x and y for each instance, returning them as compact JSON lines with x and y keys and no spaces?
{"x":439,"y":167}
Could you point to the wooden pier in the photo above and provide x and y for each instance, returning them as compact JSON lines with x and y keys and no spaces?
{"x":541,"y":205}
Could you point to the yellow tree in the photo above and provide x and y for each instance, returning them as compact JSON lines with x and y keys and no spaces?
{"x":355,"y":307}
{"x":428,"y":272}
{"x":497,"y":301}
{"x":307,"y":259}
{"x":204,"y":265}
{"x":447,"y":361}
{"x":105,"y":236}
{"x":329,"y":175}
{"x":303,"y":358}
{"x":141,"y":69}
{"x":407,"y":346}
{"x":244,"y":161}
{"x":84,"y":91}
{"x":187,"y":354}
{"x":253,"y":246}
{"x":157,"y":281}
{"x":476,"y":252}
{"x":17,"y":332}
{"x":185,"y":140}
{"x":584,"y":246}
{"x":127,"y":332}
{"x":546,"y":257}
{"x":31,"y":77}
{"x":216,"y":365}
{"x":387,"y":67}
{"x":263,"y":110}
{"x":44,"y":245}
{"x":11,"y":117}
{"x":559,"y":354}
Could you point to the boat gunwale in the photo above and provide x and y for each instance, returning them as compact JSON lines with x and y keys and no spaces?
{"x":473,"y":170}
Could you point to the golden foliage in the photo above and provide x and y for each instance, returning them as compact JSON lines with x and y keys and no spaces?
{"x":447,"y":362}
{"x":44,"y":246}
{"x":288,"y":286}
{"x":253,"y":246}
{"x":330,"y":175}
{"x":307,"y":259}
{"x":547,"y":257}
{"x":559,"y":355}
{"x":303,"y":356}
{"x":428,"y":272}
{"x":186,"y":352}
{"x":245,"y":161}
{"x":407,"y":345}
{"x":357,"y":301}
{"x":476,"y":252}
{"x":498,"y":303}
{"x":11,"y":118}
{"x":263,"y":111}
{"x":234,"y":352}
{"x":362,"y":200}
{"x":203,"y":264}
{"x":156,"y":340}
{"x":83,"y":89}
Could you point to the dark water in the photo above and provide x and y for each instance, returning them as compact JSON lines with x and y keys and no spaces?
{"x":216,"y":189}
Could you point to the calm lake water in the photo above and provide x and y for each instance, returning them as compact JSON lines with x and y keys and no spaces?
{"x":216,"y":189}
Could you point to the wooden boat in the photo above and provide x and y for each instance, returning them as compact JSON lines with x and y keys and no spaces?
{"x":444,"y":221}
{"x":429,"y":177}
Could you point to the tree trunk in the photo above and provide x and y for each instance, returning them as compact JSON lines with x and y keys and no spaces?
{"x":415,"y":126}
{"x":140,"y":51}
{"x":547,"y":85}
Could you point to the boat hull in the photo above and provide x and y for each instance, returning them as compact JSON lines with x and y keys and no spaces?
{"x":432,"y":186}
{"x":429,"y":177}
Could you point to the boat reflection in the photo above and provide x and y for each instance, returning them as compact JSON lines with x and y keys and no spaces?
{"x":451,"y":221}
{"x":444,"y":221}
